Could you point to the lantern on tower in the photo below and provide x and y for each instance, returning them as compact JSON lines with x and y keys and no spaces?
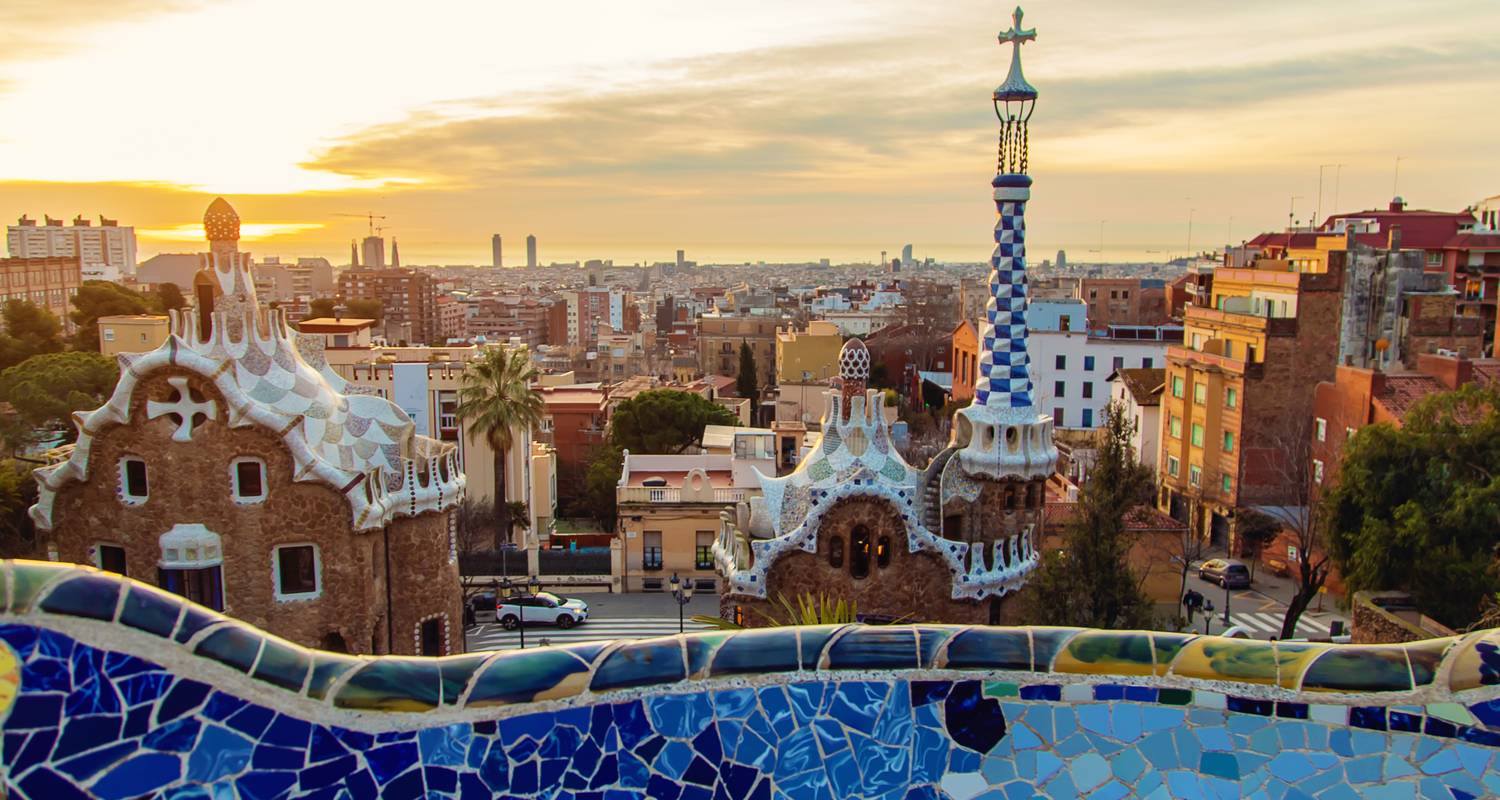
{"x":1015,"y":99}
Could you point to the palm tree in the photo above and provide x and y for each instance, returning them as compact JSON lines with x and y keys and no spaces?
{"x":495,"y":399}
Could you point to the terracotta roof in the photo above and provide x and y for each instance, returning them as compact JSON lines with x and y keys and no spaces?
{"x":1404,"y":391}
{"x":1143,"y":383}
{"x":1470,"y":241}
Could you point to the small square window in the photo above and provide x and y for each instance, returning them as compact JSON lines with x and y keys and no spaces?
{"x":1231,"y":398}
{"x":1088,"y":389}
{"x":1088,"y":363}
{"x":1057,"y":417}
{"x":1320,"y":427}
{"x":134,"y":488}
{"x":1119,"y":362}
{"x":1227,"y":484}
{"x":1062,"y":361}
{"x":1228,"y":441}
{"x":1177,"y":386}
{"x":1200,"y":392}
{"x":1197,"y":435}
{"x":1317,"y":471}
{"x":296,"y":567}
{"x":1195,"y":475}
{"x":110,"y":558}
{"x":1059,"y":389}
{"x":1173,"y":466}
{"x":249,"y":478}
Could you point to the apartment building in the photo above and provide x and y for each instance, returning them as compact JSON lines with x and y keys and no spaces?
{"x":1124,"y":301}
{"x":132,"y":333}
{"x":106,"y":252}
{"x":408,"y":298}
{"x":510,"y":318}
{"x":809,"y":356}
{"x":1238,"y":391}
{"x":48,"y":282}
{"x":719,"y":340}
{"x":1071,"y":370}
{"x":669,"y":507}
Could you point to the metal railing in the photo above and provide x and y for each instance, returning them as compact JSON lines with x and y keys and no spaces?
{"x":666,"y":494}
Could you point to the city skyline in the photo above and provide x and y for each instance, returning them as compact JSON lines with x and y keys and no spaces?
{"x":740,"y":138}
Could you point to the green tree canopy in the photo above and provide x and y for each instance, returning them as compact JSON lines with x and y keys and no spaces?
{"x":18,"y":491}
{"x":366,"y":308}
{"x":1417,"y":508}
{"x":46,"y":389}
{"x":97,"y":299}
{"x":665,"y":421}
{"x":747,"y":383}
{"x":1089,"y":583}
{"x":321,"y":308}
{"x":169,"y":297}
{"x":29,"y":330}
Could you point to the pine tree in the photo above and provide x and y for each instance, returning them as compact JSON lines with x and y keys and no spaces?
{"x":748,"y":384}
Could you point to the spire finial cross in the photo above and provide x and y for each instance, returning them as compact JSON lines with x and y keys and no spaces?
{"x":1017,"y":35}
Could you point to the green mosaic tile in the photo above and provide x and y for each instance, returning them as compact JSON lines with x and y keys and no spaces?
{"x":1218,"y":659}
{"x":29,"y":578}
{"x":1359,"y":668}
{"x":1425,"y":658}
{"x":1046,"y":643}
{"x":1174,"y":697}
{"x":455,"y":672}
{"x":523,"y":676}
{"x":393,"y":684}
{"x":327,"y":668}
{"x":1167,"y":646}
{"x":233,"y":645}
{"x":1107,"y":653}
{"x":1000,"y":689}
{"x":283,"y":664}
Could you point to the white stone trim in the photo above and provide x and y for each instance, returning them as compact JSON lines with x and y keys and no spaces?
{"x":284,"y":597}
{"x":446,"y":645}
{"x":234,"y":480}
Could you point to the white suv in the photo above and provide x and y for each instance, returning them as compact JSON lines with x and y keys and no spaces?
{"x":546,"y":607}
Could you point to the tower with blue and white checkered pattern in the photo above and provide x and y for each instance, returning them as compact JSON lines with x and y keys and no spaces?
{"x":1001,"y":436}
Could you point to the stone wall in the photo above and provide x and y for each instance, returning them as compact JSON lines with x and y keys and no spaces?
{"x":112,"y":689}
{"x":1372,"y":624}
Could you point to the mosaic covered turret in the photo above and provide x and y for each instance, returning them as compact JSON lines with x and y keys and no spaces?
{"x":1002,"y":435}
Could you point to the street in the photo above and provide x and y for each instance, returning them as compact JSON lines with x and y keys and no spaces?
{"x":639,"y":615}
{"x":1260,"y":609}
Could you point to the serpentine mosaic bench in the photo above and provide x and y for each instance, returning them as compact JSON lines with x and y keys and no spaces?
{"x":114,"y":689}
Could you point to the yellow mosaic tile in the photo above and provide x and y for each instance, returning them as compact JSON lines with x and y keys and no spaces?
{"x":1218,"y":659}
{"x":1106,"y":653}
{"x":10,"y":679}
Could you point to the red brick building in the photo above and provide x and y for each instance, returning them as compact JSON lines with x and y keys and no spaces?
{"x":232,"y":467}
{"x":407,"y":297}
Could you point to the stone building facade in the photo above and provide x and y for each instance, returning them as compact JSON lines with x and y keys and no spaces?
{"x":233,"y":467}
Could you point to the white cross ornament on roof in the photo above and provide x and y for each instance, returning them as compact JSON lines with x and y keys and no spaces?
{"x":184,"y":406}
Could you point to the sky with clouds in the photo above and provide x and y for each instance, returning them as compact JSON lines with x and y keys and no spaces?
{"x":771,"y":130}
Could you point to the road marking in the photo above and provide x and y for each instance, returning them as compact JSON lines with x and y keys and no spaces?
{"x":490,"y":636}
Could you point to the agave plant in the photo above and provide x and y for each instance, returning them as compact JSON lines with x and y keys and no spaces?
{"x":806,"y":609}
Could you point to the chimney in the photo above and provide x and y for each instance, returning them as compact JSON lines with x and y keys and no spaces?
{"x":1397,"y":204}
{"x":1395,"y":238}
{"x":1451,"y":371}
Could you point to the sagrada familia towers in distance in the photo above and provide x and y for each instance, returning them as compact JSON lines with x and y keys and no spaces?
{"x":854,"y":521}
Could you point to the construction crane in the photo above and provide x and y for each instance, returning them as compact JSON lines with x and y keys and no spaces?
{"x":368,"y":215}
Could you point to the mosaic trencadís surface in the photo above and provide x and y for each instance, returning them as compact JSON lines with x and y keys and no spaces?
{"x":114,"y":689}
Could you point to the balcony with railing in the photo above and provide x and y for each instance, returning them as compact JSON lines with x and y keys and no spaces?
{"x":670,"y":494}
{"x":1203,"y":360}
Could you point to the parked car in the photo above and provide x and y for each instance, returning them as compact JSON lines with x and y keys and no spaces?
{"x":1226,"y":572}
{"x":564,"y":612}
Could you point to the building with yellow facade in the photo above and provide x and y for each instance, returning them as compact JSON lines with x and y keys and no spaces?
{"x":1238,"y":387}
{"x":810,"y":356}
{"x":668,"y":508}
{"x":132,"y":333}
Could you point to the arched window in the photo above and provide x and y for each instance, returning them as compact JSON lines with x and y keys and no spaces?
{"x":1010,"y":497}
{"x":836,"y":552}
{"x":859,"y":555}
{"x":883,"y":552}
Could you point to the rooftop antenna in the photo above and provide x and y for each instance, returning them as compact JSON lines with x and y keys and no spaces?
{"x":1396,"y":181}
{"x":1190,"y":231}
{"x":1291,"y":212}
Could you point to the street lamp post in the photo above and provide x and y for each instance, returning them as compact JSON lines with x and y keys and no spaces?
{"x":1208,"y":614}
{"x":513,"y":592}
{"x":1226,"y":601}
{"x":682,"y":592}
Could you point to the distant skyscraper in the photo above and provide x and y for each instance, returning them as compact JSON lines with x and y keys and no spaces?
{"x":906,"y":256}
{"x":497,"y":259}
{"x":530,"y":250}
{"x":372,"y":252}
{"x":353,"y":253}
{"x":681,"y":258}
{"x":395,"y":254}
{"x":1062,"y":259}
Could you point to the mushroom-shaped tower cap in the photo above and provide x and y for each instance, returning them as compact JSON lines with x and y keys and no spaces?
{"x":220,"y":223}
{"x":854,"y":361}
